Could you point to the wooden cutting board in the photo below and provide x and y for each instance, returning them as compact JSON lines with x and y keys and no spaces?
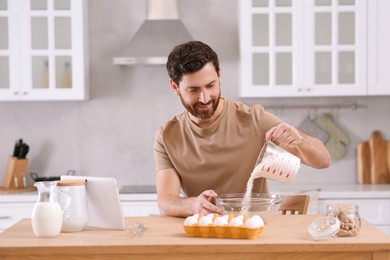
{"x":380,"y":172}
{"x":373,"y":160}
{"x":364,"y":163}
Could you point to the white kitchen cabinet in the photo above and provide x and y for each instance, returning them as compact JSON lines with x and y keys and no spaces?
{"x":373,"y":199}
{"x":13,"y":212}
{"x":43,"y":54}
{"x":375,"y":211}
{"x":303,"y":48}
{"x":15,"y":207}
{"x":378,"y":47}
{"x":139,"y":204}
{"x":140,"y":208}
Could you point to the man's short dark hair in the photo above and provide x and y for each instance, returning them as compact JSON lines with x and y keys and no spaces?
{"x":190,"y":57}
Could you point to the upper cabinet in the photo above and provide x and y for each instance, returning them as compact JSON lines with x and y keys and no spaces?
{"x":308,"y":48}
{"x":378,"y":47}
{"x":43,"y":53}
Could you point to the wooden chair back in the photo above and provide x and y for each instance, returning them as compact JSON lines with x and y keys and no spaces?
{"x":294,"y":205}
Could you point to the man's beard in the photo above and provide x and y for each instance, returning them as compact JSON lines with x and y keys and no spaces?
{"x":201,"y":113}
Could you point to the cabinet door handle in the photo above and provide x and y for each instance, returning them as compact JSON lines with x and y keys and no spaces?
{"x":25,"y":93}
{"x":5,"y":217}
{"x":16,"y":93}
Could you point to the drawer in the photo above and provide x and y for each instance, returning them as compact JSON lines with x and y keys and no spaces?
{"x":138,"y":208}
{"x":375,"y":211}
{"x":10,"y":213}
{"x":384,"y":229}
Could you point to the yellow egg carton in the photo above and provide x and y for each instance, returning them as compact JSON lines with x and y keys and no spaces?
{"x":226,"y":231}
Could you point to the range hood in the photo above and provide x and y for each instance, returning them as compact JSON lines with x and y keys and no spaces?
{"x":154,"y":40}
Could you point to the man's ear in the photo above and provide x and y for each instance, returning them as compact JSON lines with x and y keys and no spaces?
{"x":174,"y":87}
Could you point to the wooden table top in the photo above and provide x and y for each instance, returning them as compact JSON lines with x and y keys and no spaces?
{"x":165,"y":235}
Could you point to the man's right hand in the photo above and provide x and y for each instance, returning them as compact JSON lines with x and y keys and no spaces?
{"x":202,"y":203}
{"x":171,"y":204}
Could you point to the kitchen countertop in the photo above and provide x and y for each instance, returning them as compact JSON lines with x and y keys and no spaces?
{"x":285,"y":237}
{"x":126,"y":193}
{"x":32,"y":197}
{"x":324,"y":191}
{"x":138,"y":192}
{"x":330,"y":191}
{"x":137,"y":189}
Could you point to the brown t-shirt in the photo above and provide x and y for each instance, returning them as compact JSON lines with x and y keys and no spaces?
{"x":221,"y":156}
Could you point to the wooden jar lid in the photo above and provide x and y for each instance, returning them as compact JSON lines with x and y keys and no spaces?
{"x":71,"y":182}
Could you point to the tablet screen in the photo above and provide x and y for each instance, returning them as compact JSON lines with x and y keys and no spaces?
{"x":104,"y":205}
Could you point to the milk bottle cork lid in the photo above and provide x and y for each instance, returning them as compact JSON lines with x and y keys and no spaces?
{"x":71,"y":182}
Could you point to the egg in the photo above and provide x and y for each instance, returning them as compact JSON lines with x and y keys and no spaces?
{"x":237,"y":221}
{"x":225,"y":217}
{"x":254,"y":222}
{"x":240,"y":217}
{"x":220,"y":221}
{"x":196,"y":215}
{"x":191,"y":220}
{"x":205,"y":221}
{"x":211,"y":216}
{"x":259,"y":219}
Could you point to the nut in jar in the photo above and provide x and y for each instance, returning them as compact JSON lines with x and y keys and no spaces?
{"x":348,"y":214}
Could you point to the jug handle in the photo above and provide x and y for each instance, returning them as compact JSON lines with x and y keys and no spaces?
{"x":68,"y":199}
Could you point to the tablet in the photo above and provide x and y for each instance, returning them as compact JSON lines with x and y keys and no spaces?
{"x":104,"y":205}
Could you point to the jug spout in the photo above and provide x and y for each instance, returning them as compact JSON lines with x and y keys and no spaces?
{"x":45,"y":186}
{"x":46,"y":190}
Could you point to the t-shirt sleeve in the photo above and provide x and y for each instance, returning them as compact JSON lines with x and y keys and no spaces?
{"x":264,"y":119}
{"x":161,"y":157}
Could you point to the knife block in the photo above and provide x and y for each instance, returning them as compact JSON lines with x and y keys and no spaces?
{"x":16,"y":168}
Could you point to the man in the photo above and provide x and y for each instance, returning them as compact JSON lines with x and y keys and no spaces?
{"x":212,"y":147}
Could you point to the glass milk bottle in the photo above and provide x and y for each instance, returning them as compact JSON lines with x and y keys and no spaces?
{"x":47,"y":213}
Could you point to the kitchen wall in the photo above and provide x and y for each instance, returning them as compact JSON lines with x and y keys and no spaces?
{"x":112,"y":133}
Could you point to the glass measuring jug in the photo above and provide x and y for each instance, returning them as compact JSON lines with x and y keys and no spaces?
{"x":277,"y":164}
{"x":47,"y":213}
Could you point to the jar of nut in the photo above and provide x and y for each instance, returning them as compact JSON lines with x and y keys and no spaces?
{"x":348,"y":214}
